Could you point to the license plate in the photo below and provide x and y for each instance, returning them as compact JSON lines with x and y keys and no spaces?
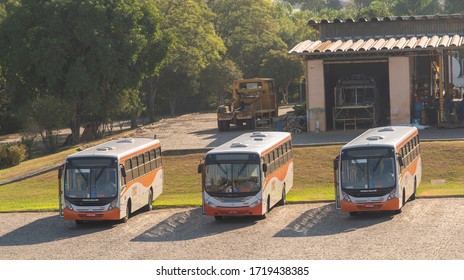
{"x":369,"y":206}
{"x":90,"y":215}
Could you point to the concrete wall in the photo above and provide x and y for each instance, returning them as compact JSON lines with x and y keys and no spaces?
{"x":315,"y":95}
{"x":400,"y":90}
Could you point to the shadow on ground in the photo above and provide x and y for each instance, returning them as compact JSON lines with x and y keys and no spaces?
{"x":51,"y":229}
{"x":326,"y":220}
{"x":191,"y":224}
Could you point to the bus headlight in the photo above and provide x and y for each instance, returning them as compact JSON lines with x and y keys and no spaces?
{"x":391,"y":195}
{"x":346,"y":197}
{"x":113,"y":204}
{"x":253,"y":204}
{"x":211,"y":204}
{"x":68,"y":205}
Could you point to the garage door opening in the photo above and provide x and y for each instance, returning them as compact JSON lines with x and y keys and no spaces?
{"x":357,"y":94}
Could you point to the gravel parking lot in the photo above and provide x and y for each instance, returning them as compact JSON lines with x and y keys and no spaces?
{"x":426,"y":229}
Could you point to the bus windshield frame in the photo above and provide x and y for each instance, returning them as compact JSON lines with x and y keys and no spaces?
{"x":91,"y":178}
{"x":232,"y":174}
{"x":368,"y":168}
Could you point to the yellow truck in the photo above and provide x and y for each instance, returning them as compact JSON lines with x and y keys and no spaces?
{"x":253,"y":104}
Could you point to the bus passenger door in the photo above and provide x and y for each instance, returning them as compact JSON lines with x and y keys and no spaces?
{"x":336,"y":176}
{"x":201,"y":170}
{"x":60,"y":190}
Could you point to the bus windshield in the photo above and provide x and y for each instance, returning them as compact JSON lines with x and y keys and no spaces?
{"x":90,"y":178}
{"x":232,"y":179}
{"x":368,"y":169}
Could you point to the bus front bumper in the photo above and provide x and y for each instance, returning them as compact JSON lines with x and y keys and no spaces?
{"x":113,"y":214}
{"x":234,"y":211}
{"x":389,"y":205}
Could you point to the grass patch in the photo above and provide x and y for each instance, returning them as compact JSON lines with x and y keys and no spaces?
{"x":313,"y":178}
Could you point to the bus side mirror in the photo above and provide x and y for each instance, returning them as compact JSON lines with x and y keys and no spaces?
{"x":335,"y":162}
{"x":60,"y":171}
{"x":123,"y":171}
{"x":200,"y":168}
{"x":264,"y":167}
{"x":400,"y":160}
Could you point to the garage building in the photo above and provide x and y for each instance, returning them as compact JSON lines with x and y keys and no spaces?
{"x":384,"y":71}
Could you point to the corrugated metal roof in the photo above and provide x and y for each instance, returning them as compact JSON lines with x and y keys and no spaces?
{"x":392,"y":18}
{"x":377,"y":44}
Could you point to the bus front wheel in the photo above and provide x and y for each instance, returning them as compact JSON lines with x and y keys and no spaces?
{"x":128,"y":212}
{"x":150,"y":201}
{"x":283,"y":201}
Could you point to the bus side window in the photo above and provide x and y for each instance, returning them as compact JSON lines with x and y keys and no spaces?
{"x":159,"y":160}
{"x":146,"y":157}
{"x":273,"y":158}
{"x":128,"y":167}
{"x":141,"y":163}
{"x":152,"y":160}
{"x":290,"y":149}
{"x":135,"y":169}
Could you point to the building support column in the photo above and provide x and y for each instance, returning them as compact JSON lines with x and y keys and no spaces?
{"x":400,"y":90}
{"x":315,"y":96}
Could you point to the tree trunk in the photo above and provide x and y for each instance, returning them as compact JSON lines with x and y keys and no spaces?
{"x":151,"y":86}
{"x":75,"y":123}
{"x":172,"y":105}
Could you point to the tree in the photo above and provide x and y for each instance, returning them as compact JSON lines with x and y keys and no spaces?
{"x":292,"y":25}
{"x":217,"y":79}
{"x":196,"y":45}
{"x":454,"y":6}
{"x":85,"y":53}
{"x":376,"y":9}
{"x":36,"y":114}
{"x":417,"y":7}
{"x":284,"y":68}
{"x":249,"y":30}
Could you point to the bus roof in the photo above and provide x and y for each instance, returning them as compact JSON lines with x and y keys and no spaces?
{"x":257,"y":142}
{"x":117,"y":148}
{"x":383,"y":136}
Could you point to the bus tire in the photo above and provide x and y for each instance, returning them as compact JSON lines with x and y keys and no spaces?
{"x":218,"y":218}
{"x":220,"y":125}
{"x":413,"y":196}
{"x":283,"y":201}
{"x":226,"y":125}
{"x":149,"y":206}
{"x":79,"y":222}
{"x":128,"y":212}
{"x":251,"y":123}
{"x":353,"y":214}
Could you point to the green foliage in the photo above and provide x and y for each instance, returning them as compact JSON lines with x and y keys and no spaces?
{"x":195,"y":46}
{"x":45,"y":115}
{"x":249,"y":29}
{"x":84,"y":52}
{"x":417,"y":7}
{"x":284,"y":68}
{"x":216,"y":81}
{"x":11,"y":154}
{"x":376,"y":8}
{"x":454,"y":6}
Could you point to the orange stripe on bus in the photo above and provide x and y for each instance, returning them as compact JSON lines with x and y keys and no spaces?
{"x":150,"y":177}
{"x":280,"y":174}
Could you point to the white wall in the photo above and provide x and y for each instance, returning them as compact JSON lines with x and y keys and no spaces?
{"x":315,"y":95}
{"x":400,"y":90}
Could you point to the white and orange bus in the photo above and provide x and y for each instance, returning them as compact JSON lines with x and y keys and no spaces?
{"x":248,"y":175}
{"x":378,"y":170}
{"x":110,"y":181}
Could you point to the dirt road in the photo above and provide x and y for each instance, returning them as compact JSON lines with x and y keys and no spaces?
{"x":426,"y":229}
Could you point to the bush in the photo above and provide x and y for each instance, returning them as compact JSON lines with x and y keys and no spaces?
{"x":12,"y":154}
